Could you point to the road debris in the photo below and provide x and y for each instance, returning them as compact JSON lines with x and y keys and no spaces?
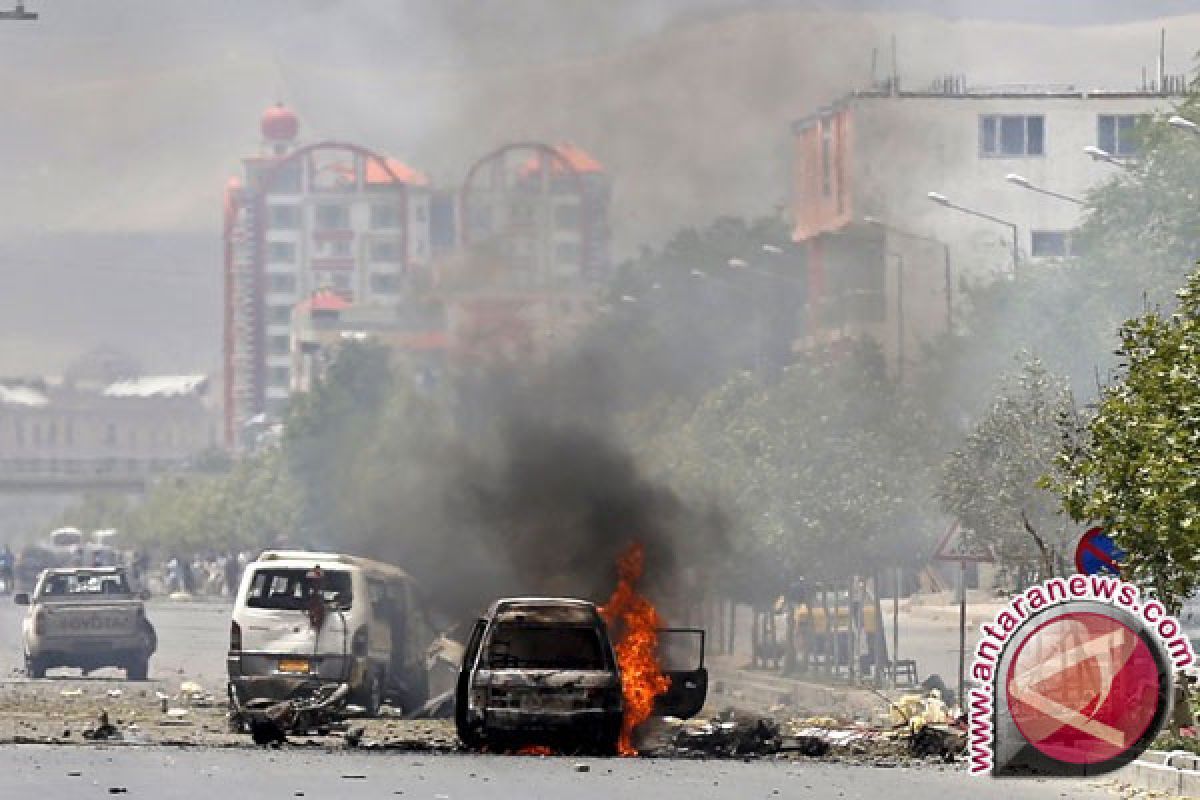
{"x":102,"y":729}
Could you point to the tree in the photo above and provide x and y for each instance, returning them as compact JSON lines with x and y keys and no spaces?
{"x":825,"y":472}
{"x":991,"y":483}
{"x":1135,"y":471}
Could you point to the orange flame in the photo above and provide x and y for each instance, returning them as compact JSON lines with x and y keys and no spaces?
{"x":636,"y":623}
{"x":535,"y":750}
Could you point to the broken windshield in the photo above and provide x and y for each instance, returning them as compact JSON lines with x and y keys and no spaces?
{"x":292,"y":589}
{"x":517,"y":646}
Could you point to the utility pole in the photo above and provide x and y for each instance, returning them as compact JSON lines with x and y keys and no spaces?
{"x":19,"y":13}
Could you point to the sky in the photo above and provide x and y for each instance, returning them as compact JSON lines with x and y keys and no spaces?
{"x":123,"y":119}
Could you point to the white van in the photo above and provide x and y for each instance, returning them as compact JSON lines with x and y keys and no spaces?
{"x":305,"y":620}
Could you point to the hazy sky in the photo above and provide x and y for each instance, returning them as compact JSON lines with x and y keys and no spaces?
{"x":125,"y":118}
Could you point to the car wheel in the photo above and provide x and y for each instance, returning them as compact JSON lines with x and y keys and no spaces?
{"x":34,"y":666}
{"x":138,"y":669}
{"x":370,"y":695}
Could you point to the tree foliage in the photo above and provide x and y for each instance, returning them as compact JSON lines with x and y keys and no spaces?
{"x":826,"y":472}
{"x":1136,"y":471}
{"x":991,"y":483}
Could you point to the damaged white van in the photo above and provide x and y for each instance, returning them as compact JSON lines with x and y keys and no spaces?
{"x":306,"y":622}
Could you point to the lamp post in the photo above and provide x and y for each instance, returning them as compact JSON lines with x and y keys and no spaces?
{"x":944,"y":201}
{"x":1025,"y":183}
{"x":1096,"y":154}
{"x":901,"y":343}
{"x":1184,"y":124}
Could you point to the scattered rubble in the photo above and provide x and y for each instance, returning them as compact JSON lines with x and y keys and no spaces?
{"x":102,"y":730}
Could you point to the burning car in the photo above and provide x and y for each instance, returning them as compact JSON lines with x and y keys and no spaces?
{"x":544,"y":671}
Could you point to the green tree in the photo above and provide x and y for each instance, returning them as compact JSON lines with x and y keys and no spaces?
{"x":1135,"y":471}
{"x":991,"y":483}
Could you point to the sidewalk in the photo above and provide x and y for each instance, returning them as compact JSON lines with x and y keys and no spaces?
{"x":761,"y":690}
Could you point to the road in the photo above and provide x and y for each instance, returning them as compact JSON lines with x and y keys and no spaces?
{"x":49,"y":773}
{"x":192,"y":640}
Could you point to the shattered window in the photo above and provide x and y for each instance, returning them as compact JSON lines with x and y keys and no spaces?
{"x":517,"y":646}
{"x":290,"y":589}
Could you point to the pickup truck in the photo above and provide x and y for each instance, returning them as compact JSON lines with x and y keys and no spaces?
{"x":87,"y":618}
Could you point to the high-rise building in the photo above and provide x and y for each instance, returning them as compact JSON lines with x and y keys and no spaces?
{"x":301,"y":218}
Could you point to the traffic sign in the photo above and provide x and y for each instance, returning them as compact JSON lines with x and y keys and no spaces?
{"x":955,"y":547}
{"x":1097,"y":553}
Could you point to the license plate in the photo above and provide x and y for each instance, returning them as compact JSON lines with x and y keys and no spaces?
{"x":293,"y":665}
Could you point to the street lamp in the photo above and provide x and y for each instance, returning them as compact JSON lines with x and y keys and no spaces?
{"x":1025,"y":183}
{"x":1096,"y":154}
{"x":900,"y":350}
{"x":1184,"y":124}
{"x":944,"y":201}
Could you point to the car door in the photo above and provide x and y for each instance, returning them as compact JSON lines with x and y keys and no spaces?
{"x":463,"y":688}
{"x":681,"y":653}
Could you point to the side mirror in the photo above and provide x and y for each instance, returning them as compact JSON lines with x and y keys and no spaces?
{"x":144,"y":594}
{"x":21,"y":599}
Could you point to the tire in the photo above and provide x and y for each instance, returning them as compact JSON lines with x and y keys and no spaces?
{"x":138,"y":669}
{"x":35,"y":667}
{"x":370,"y":696}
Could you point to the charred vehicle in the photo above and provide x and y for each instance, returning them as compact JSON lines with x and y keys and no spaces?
{"x":327,"y":631}
{"x":87,"y":618}
{"x":544,"y":671}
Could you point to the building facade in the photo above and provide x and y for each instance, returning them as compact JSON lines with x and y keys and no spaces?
{"x":303,"y":218}
{"x":886,"y":258}
{"x":133,"y":427}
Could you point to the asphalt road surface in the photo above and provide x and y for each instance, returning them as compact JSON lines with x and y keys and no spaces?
{"x":192,"y":640}
{"x":49,"y":773}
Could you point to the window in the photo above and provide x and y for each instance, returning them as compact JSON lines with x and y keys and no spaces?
{"x":1116,"y":133}
{"x":294,"y":589}
{"x":388,"y":284}
{"x":826,"y":159}
{"x":385,"y":250}
{"x":279,"y":377}
{"x":1012,"y":135}
{"x":419,"y":213}
{"x":334,"y":248}
{"x":1050,"y":244}
{"x":566,"y":253}
{"x":281,"y":251}
{"x":385,"y":216}
{"x":19,"y":431}
{"x":331,"y":217}
{"x":281,"y":283}
{"x":567,"y":217}
{"x":110,"y":433}
{"x":279,"y":315}
{"x":524,"y":646}
{"x":285,"y":217}
{"x":279,"y":345}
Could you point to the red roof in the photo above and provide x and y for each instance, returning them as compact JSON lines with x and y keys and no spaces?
{"x":323,"y":300}
{"x":575,"y":157}
{"x":377,"y":174}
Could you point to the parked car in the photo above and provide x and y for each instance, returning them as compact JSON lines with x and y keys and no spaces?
{"x":87,"y":618}
{"x":543,"y":670}
{"x":305,"y":621}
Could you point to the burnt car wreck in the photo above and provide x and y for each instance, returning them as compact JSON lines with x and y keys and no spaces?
{"x":544,"y":672}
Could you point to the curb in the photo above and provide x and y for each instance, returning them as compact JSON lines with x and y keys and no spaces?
{"x":1175,"y":773}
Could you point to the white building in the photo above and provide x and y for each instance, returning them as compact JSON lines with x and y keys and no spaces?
{"x":883,"y":258}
